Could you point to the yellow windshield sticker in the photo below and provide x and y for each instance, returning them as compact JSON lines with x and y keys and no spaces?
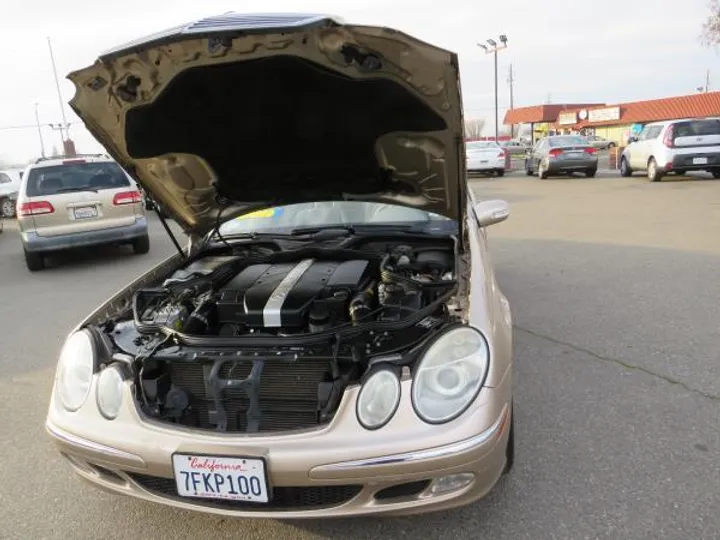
{"x":259,"y":214}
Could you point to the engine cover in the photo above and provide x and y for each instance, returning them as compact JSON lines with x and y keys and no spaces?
{"x":280,"y":295}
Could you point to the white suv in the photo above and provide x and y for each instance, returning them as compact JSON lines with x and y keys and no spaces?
{"x":675,"y":146}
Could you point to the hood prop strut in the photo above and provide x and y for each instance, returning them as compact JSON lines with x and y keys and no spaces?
{"x":167,"y":230}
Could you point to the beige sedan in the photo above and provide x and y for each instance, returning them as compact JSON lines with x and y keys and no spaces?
{"x":333,"y":341}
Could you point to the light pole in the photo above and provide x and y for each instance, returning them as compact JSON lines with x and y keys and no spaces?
{"x":493,"y":47}
{"x":37,"y":122}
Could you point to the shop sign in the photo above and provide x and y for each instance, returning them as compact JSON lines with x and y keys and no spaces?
{"x":567,"y":118}
{"x":604,"y":115}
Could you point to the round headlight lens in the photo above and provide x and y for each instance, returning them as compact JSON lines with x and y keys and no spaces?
{"x":450,"y":375}
{"x":378,"y":399}
{"x":110,"y":392}
{"x":75,"y":370}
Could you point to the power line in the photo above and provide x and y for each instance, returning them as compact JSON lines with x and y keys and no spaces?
{"x":34,"y":126}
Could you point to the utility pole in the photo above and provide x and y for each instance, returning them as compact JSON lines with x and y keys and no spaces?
{"x":64,"y":126}
{"x":493,"y":47}
{"x":511,"y":82}
{"x":39,"y":129}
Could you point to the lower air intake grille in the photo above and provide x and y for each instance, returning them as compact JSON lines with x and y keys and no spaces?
{"x":283,"y":498}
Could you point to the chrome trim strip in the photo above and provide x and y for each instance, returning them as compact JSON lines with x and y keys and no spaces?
{"x":420,"y":455}
{"x":91,"y":446}
{"x":273,"y":308}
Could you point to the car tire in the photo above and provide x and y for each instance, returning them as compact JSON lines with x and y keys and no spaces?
{"x":542,"y":173}
{"x":590,"y":173}
{"x":34,"y":261}
{"x":611,"y":145}
{"x":141,"y":245}
{"x":716,"y":174}
{"x":510,"y":449}
{"x":528,"y":170}
{"x":7,"y":207}
{"x":625,"y":169}
{"x":653,"y":173}
{"x":501,"y":172}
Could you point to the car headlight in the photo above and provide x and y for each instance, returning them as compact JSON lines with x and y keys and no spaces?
{"x":75,"y":370}
{"x":109,"y":395}
{"x":378,"y":399}
{"x":450,"y":375}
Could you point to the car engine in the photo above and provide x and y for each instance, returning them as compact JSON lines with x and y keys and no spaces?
{"x":234,"y":297}
{"x":269,"y":340}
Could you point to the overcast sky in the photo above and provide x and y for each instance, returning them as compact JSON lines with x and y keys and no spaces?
{"x":565,"y":50}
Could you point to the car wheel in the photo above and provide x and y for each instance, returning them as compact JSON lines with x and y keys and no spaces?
{"x":510,"y":449}
{"x":654,"y":174}
{"x":501,"y":172}
{"x":611,"y":145}
{"x":34,"y":261}
{"x":528,"y":169}
{"x":542,"y":173}
{"x":590,"y":173}
{"x":7,"y":207}
{"x":716,"y":174}
{"x":625,"y":169}
{"x":141,"y":245}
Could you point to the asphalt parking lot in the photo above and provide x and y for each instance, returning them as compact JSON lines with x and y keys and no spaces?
{"x":615,"y":292}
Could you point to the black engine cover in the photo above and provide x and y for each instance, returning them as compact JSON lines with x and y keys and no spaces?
{"x":279,"y":295}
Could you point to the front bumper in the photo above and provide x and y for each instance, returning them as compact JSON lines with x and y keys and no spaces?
{"x":116,"y":235}
{"x":314,"y":473}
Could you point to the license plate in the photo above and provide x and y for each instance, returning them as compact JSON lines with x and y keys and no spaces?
{"x":575,"y":155}
{"x":700,"y":161}
{"x":234,"y":479}
{"x":85,"y":212}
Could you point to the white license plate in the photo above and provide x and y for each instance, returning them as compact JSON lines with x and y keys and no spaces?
{"x":575,"y":155}
{"x":85,"y":212}
{"x":700,"y":161}
{"x":235,"y":479}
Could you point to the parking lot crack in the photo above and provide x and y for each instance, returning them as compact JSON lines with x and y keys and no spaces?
{"x":622,"y":363}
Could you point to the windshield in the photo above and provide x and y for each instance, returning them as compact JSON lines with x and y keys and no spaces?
{"x":335,"y":213}
{"x":75,"y":177}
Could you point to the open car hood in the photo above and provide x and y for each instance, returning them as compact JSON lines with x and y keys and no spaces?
{"x":239,"y":112}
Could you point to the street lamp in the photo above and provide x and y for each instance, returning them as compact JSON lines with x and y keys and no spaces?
{"x":493,"y":47}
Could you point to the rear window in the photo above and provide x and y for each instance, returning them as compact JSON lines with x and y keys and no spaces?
{"x":569,"y":140}
{"x":697,"y":128}
{"x":70,"y":177}
{"x":479,"y":145}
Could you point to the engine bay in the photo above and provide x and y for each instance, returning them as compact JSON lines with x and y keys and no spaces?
{"x":294,"y":293}
{"x":268,"y":339}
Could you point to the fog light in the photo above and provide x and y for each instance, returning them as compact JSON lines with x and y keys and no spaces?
{"x":451,"y":482}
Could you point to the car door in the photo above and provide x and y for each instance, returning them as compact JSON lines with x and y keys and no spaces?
{"x":540,"y":152}
{"x":641,"y":154}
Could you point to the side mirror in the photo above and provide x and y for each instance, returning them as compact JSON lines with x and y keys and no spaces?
{"x":491,"y":212}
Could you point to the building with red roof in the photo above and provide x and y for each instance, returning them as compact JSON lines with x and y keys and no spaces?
{"x":613,"y":121}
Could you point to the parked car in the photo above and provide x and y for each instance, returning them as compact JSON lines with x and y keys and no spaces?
{"x":562,"y":154}
{"x":9,"y":187}
{"x":515,"y":147}
{"x":322,"y":357}
{"x":676,"y":146}
{"x":486,"y":157}
{"x":76,"y":202}
{"x":600,"y":143}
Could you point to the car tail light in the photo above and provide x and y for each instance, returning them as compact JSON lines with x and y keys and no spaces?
{"x":668,"y":139}
{"x":591,"y":150}
{"x":668,"y":166}
{"x":127,"y":197}
{"x":35,"y":208}
{"x":556,"y":151}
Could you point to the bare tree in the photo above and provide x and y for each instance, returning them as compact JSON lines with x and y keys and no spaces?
{"x":710,"y":35}
{"x":474,"y":128}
